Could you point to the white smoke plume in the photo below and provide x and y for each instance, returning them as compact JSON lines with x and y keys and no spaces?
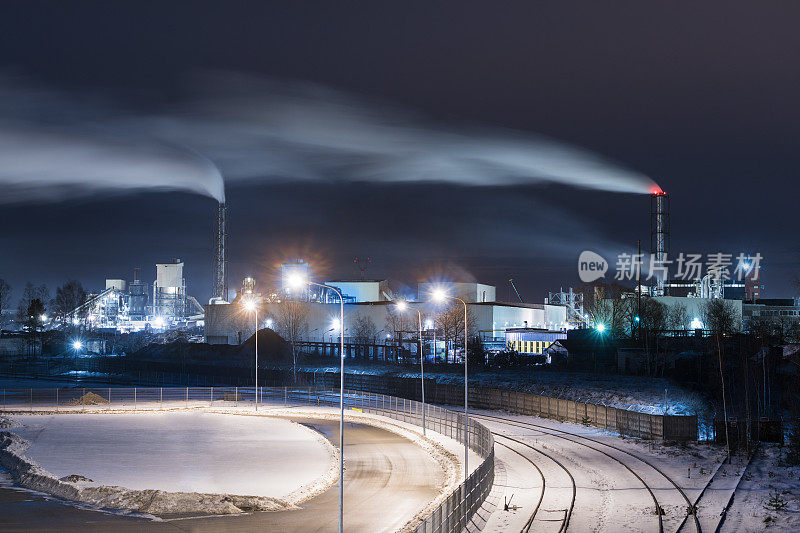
{"x":53,"y":146}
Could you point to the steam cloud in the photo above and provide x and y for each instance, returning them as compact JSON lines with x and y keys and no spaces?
{"x":53,"y":146}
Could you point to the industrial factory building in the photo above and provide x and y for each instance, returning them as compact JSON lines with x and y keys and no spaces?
{"x":371,"y":301}
{"x":137,"y":306}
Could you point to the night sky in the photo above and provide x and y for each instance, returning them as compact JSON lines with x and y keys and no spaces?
{"x":701,"y":97}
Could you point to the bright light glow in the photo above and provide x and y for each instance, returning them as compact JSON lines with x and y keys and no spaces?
{"x":77,"y":345}
{"x":636,"y":319}
{"x":388,"y":336}
{"x":269,"y":323}
{"x":429,"y":324}
{"x":43,"y":317}
{"x":158,"y":322}
{"x":250,"y":305}
{"x":335,"y":325}
{"x":696,"y":323}
{"x":438,"y":295}
{"x":402,"y":305}
{"x":600,"y":328}
{"x":295,"y":280}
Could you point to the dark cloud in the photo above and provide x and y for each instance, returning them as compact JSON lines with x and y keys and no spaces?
{"x":700,"y":97}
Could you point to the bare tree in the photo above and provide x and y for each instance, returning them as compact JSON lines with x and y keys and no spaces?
{"x":721,"y":316}
{"x":401,"y":326}
{"x":68,"y":297}
{"x":5,"y":297}
{"x":364,"y":331}
{"x":292,"y":324}
{"x":30,"y":310}
{"x":611,"y":305}
{"x":450,"y":322}
{"x":678,"y":317}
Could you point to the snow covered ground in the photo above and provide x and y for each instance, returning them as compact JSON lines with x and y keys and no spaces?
{"x":768,"y":497}
{"x":179,"y":452}
{"x":608,"y":496}
{"x":167,"y":463}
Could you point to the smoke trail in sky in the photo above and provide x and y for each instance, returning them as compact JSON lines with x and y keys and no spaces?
{"x":52,"y":146}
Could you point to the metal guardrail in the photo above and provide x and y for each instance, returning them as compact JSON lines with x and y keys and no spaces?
{"x":449,"y":517}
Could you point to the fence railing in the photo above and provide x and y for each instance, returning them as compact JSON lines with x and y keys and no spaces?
{"x":622,"y":421}
{"x":450,"y":516}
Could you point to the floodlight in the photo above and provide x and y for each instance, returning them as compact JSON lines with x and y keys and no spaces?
{"x":77,"y":345}
{"x":295,"y":280}
{"x":600,"y":328}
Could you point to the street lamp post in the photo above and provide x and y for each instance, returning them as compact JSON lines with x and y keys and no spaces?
{"x":402,"y":306}
{"x":297,"y":281}
{"x":439,"y":296}
{"x":250,"y":305}
{"x":76,"y":345}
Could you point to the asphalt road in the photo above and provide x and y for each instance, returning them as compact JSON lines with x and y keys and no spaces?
{"x":387,"y":480}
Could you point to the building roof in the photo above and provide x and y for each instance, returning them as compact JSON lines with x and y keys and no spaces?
{"x":355,"y":281}
{"x":513,"y":304}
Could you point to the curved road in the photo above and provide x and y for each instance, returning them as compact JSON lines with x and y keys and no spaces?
{"x":387,"y":480}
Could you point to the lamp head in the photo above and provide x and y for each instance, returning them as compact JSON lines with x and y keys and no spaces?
{"x":77,"y":345}
{"x":402,"y":305}
{"x":250,"y":305}
{"x":295,"y":280}
{"x":438,"y":295}
{"x":600,"y":328}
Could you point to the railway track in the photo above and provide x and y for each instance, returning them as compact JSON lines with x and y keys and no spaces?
{"x":568,"y":511}
{"x":725,"y":491}
{"x":578,"y":439}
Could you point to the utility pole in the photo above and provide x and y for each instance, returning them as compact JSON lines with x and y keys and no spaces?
{"x":639,"y":289}
{"x":724,"y":405}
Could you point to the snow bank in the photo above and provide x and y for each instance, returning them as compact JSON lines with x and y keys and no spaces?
{"x":156,"y":502}
{"x":229,"y":465}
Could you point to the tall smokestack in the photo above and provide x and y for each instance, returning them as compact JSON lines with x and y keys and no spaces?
{"x":220,"y":289}
{"x":659,"y":233}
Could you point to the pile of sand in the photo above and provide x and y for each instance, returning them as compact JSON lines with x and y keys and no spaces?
{"x":89,"y":398}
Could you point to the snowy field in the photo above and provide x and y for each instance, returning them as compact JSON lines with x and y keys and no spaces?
{"x":179,"y":452}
